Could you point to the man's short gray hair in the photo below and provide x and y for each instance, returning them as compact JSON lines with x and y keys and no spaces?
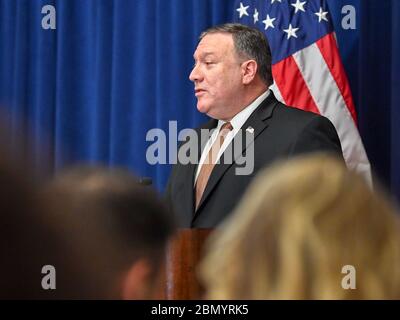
{"x":249,"y":43}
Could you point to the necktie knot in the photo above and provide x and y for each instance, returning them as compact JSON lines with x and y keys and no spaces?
{"x":223,"y":132}
{"x":227,"y":126}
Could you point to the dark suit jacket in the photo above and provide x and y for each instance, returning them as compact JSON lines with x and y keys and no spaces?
{"x":280,"y":132}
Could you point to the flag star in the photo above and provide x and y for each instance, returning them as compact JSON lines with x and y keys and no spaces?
{"x":255,"y":15}
{"x":272,"y":1}
{"x":321,"y":15}
{"x":299,"y":5}
{"x":291,"y":32}
{"x":242,"y":10}
{"x":268,"y":22}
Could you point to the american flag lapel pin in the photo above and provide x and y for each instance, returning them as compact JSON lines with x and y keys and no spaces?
{"x":250,"y":130}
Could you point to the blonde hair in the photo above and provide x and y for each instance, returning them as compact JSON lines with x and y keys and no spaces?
{"x":297,"y":226}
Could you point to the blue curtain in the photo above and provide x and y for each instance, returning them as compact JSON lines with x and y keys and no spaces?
{"x":378,"y":87}
{"x":112,"y":70}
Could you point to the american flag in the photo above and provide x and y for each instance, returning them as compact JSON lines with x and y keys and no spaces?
{"x":306,"y":66}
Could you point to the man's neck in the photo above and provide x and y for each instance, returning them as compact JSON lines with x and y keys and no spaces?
{"x":249,"y":97}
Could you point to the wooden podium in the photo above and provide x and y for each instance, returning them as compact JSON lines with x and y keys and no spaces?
{"x":183,"y":255}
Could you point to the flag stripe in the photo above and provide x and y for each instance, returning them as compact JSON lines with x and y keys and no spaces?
{"x":329,"y":50}
{"x":291,"y":85}
{"x":330,"y":102}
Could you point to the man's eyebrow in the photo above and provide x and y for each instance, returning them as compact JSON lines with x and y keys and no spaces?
{"x":204,"y":54}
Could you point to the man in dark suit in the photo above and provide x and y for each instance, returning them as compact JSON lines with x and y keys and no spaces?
{"x":232,"y":74}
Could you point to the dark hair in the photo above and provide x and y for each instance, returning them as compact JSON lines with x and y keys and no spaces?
{"x":30,"y":239}
{"x":111,"y":203}
{"x":250,"y":43}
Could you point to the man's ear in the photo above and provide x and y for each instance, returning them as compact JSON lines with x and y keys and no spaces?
{"x":249,"y":71}
{"x":137,"y":281}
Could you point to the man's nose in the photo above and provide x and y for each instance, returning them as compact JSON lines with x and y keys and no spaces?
{"x":195,"y":75}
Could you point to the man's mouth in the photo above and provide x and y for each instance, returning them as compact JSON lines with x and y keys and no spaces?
{"x":198,"y":92}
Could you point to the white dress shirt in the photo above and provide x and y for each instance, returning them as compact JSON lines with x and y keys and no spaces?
{"x":237,"y":122}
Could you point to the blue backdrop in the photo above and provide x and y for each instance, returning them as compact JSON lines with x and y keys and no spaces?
{"x":112,"y":70}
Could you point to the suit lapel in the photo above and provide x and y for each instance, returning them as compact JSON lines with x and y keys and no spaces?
{"x":188,"y":198}
{"x":212,"y":124}
{"x":190,"y":168}
{"x":255,"y":121}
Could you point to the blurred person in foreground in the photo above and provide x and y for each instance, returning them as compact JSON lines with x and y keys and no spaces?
{"x":122,"y":226}
{"x":31,"y":241}
{"x":298,"y":225}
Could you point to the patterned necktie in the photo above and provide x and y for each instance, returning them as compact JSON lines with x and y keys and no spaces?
{"x":210,"y":161}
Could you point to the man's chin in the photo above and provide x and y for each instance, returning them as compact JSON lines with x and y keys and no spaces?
{"x":205,"y":109}
{"x":202,"y":108}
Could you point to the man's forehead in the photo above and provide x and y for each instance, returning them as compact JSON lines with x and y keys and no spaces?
{"x":214,"y":43}
{"x":203,"y":54}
